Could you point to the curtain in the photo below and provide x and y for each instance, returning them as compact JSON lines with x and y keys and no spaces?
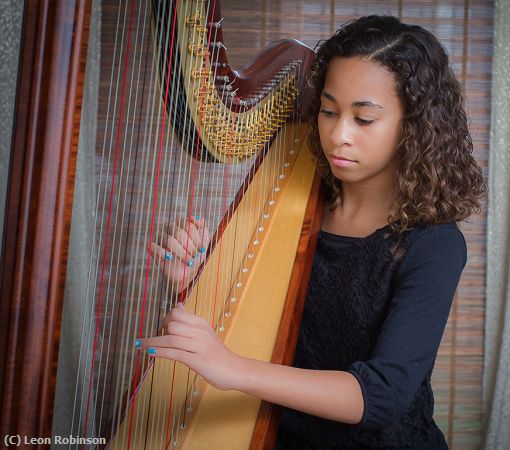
{"x":11,"y":15}
{"x":496,"y":380}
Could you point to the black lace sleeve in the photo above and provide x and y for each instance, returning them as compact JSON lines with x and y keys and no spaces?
{"x":410,"y":335}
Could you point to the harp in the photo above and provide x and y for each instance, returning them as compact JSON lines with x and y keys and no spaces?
{"x":241,"y":163}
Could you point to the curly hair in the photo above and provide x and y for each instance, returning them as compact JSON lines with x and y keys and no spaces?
{"x":438,"y":180}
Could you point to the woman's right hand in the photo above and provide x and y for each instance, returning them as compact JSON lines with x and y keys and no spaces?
{"x":182,"y":251}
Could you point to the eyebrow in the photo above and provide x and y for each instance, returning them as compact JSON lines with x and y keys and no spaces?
{"x":358,"y":103}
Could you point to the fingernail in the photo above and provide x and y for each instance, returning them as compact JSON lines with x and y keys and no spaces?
{"x":169,"y":256}
{"x":189,"y":263}
{"x":197,"y":217}
{"x":201,"y":249}
{"x":151,"y":351}
{"x":138,"y":343}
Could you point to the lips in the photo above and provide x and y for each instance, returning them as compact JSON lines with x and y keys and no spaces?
{"x":342,"y":162}
{"x":341,"y":158}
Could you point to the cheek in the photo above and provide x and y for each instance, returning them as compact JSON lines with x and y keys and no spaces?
{"x":392,"y":130}
{"x":322,"y":133}
{"x":384,"y":135}
{"x":320,"y":127}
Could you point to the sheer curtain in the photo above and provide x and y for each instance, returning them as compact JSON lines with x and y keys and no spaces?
{"x":74,"y":314}
{"x":496,"y":384}
{"x":11,"y":14}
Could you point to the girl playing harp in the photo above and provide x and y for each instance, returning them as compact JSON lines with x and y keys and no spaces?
{"x":390,"y":136}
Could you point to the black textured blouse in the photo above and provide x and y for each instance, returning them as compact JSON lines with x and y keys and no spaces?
{"x":377,"y":307}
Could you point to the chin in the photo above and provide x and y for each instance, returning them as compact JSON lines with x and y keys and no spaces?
{"x":338,"y":174}
{"x":342,"y":175}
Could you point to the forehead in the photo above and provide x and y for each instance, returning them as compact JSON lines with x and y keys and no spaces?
{"x":352,"y":79}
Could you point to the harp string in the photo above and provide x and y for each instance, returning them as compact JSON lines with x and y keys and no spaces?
{"x":161,"y":235}
{"x":120,"y":149}
{"x":124,"y":229}
{"x":153,"y":213}
{"x":166,"y":183}
{"x":181,"y":187}
{"x":98,"y":357}
{"x":164,"y":424}
{"x":225,"y":167}
{"x":111,"y":294}
{"x":197,"y":143}
{"x":103,"y":216}
{"x":223,"y":173}
{"x":214,"y":295}
{"x":176,"y":413}
{"x":213,"y":316}
{"x":88,"y":310}
{"x":186,"y":172}
{"x":118,"y":247}
{"x":90,"y":376}
{"x":126,"y":355}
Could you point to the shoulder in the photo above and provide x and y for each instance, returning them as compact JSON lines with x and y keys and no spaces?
{"x":437,"y":231}
{"x":438,"y":235}
{"x":438,"y":246}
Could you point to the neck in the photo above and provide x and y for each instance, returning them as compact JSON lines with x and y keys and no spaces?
{"x":369,"y":198}
{"x":360,"y":200}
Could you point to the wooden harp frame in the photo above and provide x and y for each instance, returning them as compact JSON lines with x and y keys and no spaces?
{"x":38,"y":216}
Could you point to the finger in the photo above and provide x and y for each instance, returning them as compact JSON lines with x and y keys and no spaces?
{"x":185,"y":240}
{"x":179,"y":314}
{"x":203,"y":242}
{"x":201,"y":225}
{"x":170,"y":341}
{"x":173,"y":327}
{"x":198,"y":220}
{"x":177,"y":249}
{"x":194,"y":233}
{"x":161,"y":256}
{"x":164,"y":257}
{"x":195,"y":226}
{"x":173,"y":354}
{"x":168,"y":317}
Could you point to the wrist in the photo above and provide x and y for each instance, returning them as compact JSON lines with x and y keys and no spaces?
{"x":243,"y":373}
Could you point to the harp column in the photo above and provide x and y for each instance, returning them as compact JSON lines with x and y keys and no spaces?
{"x":38,"y":206}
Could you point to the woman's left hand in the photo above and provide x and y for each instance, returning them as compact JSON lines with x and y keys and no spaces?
{"x":192,"y":341}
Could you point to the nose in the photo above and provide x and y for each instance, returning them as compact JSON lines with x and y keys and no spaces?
{"x":342,"y":132}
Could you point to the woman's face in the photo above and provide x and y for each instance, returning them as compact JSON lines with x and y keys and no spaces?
{"x":359,"y":120}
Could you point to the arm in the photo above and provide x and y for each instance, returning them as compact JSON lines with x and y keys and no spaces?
{"x":192,"y":342}
{"x":411,"y":333}
{"x":333,"y":395}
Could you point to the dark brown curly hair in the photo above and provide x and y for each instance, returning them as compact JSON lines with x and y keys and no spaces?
{"x":438,"y":180}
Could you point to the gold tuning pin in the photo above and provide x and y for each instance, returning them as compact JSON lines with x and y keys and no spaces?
{"x":197,"y":50}
{"x":194,"y":20}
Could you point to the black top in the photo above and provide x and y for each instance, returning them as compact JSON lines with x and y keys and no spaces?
{"x":377,"y":307}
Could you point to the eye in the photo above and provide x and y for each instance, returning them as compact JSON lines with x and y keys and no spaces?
{"x":364,"y":121}
{"x":327,"y":112}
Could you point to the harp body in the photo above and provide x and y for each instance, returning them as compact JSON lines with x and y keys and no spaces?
{"x":279,"y":221}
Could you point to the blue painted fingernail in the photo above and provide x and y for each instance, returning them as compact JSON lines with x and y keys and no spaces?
{"x":169,"y":256}
{"x":197,"y":217}
{"x":201,"y":249}
{"x":138,"y":343}
{"x":189,"y":263}
{"x":151,"y":351}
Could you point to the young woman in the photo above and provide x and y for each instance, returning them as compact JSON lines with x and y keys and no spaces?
{"x":391,"y":138}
